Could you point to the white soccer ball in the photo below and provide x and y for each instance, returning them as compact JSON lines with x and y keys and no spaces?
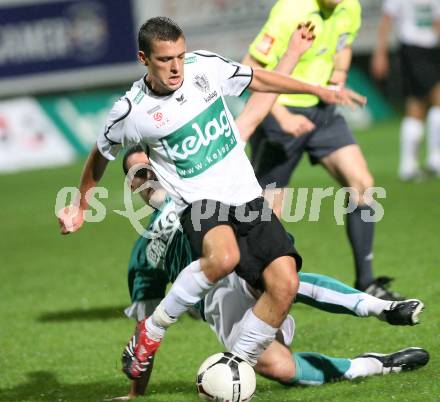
{"x":224,"y":377}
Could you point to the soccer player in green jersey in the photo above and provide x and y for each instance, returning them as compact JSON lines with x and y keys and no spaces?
{"x":163,"y":249}
{"x":316,"y":127}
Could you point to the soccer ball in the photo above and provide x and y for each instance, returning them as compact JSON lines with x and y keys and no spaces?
{"x":225,"y":377}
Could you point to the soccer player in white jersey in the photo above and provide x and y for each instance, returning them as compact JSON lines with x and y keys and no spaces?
{"x":418,"y":32}
{"x":177,"y":112}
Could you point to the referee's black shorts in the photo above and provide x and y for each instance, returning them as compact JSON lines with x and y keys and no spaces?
{"x":260,"y":235}
{"x":420,"y":69}
{"x":275,"y":154}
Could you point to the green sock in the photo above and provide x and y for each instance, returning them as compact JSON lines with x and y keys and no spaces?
{"x":317,"y":369}
{"x":328,"y":294}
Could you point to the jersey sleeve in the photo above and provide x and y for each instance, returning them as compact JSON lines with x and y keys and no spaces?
{"x":391,"y":7}
{"x":114,"y":136}
{"x":355,"y":21}
{"x":234,"y":78}
{"x":271,"y":42}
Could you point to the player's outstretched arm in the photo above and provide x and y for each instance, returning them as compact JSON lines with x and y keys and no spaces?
{"x":71,"y":217}
{"x":259,"y":104}
{"x":270,"y":81}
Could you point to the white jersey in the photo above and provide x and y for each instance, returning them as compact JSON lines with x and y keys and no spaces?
{"x":191,"y":137}
{"x":415,"y":21}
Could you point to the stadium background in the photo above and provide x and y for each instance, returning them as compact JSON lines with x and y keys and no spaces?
{"x":62,"y":64}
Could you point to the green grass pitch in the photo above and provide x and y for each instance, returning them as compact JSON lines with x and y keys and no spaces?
{"x":61,"y":298}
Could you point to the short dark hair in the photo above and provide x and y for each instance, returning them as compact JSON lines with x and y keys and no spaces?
{"x":130,"y":151}
{"x":158,"y":28}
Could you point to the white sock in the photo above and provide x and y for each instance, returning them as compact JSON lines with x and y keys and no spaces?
{"x":363,"y":367}
{"x":411,"y":133}
{"x":157,"y":323}
{"x":433,"y":139}
{"x":370,"y":305}
{"x":255,"y":336}
{"x":189,"y":287}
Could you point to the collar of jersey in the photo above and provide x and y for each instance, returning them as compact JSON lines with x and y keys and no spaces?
{"x":157,"y":93}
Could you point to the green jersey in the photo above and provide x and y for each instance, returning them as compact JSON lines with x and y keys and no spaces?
{"x":334,"y":31}
{"x":158,"y":255}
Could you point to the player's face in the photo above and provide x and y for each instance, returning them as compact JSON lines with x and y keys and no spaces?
{"x":142,"y":172}
{"x":151,"y":192}
{"x":165,"y":65}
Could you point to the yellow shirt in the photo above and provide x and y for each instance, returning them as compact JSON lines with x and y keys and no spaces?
{"x":334,"y":31}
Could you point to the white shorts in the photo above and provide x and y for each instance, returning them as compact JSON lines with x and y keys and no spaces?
{"x":226,"y":305}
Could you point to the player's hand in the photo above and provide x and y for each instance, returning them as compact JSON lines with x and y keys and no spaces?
{"x":342,"y":96}
{"x":295,"y":124}
{"x":70,"y":219}
{"x":302,"y":39}
{"x":380,"y":66}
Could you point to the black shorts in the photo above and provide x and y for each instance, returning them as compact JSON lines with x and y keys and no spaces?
{"x":420,"y":69}
{"x":275,"y":154}
{"x":261,"y":239}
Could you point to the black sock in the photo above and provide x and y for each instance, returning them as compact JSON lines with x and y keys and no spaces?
{"x":361,"y":235}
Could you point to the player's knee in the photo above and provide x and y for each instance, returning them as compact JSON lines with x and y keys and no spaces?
{"x":282,"y":283}
{"x":223,"y":263}
{"x":287,"y":291}
{"x":363,"y":182}
{"x":368,"y":181}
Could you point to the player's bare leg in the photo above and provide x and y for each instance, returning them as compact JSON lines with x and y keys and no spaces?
{"x":276,"y":363}
{"x":281,"y":286}
{"x":220,"y":253}
{"x":348,"y":166}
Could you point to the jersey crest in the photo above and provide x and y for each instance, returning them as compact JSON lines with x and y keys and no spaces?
{"x":201,"y":82}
